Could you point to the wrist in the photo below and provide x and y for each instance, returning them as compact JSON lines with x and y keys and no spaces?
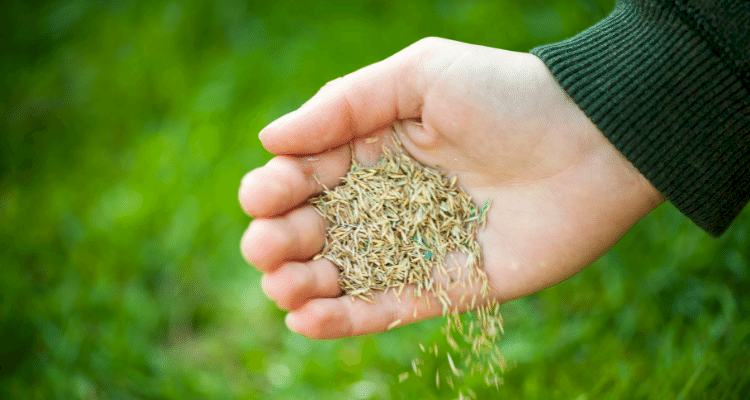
{"x":571,"y":125}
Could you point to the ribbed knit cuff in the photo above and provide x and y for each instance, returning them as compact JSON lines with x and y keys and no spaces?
{"x":666,"y":100}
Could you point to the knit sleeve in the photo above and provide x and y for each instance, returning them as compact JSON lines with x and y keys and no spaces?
{"x":668,"y":84}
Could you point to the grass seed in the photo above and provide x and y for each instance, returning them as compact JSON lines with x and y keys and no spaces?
{"x":394,"y":225}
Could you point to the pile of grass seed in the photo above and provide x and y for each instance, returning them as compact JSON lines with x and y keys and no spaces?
{"x":396,"y":225}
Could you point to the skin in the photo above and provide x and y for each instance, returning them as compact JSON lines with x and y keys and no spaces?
{"x":562,"y":194}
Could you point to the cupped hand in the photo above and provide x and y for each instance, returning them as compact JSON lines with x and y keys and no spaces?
{"x":562,"y":194}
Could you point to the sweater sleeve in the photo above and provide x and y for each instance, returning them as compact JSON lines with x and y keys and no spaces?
{"x":668,"y":83}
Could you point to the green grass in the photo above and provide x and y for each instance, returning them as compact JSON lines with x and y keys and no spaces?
{"x":124,"y":131}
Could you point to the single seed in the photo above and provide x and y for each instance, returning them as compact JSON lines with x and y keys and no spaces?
{"x":394,"y":324}
{"x":453,"y":366}
{"x":417,"y":370}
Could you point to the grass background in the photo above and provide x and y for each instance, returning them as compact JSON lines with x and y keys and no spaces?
{"x":125,"y":127}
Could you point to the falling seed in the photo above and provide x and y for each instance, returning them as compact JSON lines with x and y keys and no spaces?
{"x":453,"y":366}
{"x":417,"y":370}
{"x":402,"y":377}
{"x":371,"y":140}
{"x":451,"y":342}
{"x":394,"y":324}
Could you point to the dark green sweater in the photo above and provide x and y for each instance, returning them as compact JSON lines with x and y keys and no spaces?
{"x":668,"y":83}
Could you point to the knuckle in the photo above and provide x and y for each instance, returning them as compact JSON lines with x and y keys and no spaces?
{"x":300,"y":281}
{"x":328,"y":322}
{"x":289,"y":286}
{"x":285,"y":174}
{"x":333,"y":83}
{"x":322,"y":321}
{"x":429,"y":42}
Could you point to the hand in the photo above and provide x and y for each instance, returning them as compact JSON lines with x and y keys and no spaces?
{"x":562,"y":194}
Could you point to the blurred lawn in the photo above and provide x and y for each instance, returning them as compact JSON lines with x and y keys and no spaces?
{"x":125,"y":127}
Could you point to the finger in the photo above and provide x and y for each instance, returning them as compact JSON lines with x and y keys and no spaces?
{"x":269,"y":242}
{"x":285,"y":182}
{"x":294,"y":283}
{"x":346,"y":316}
{"x":324,"y":318}
{"x":359,"y":103}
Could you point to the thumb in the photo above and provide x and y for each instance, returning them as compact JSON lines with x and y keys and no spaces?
{"x":354,"y":105}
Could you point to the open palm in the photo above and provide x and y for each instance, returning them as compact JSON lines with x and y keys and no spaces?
{"x":562,"y":194}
